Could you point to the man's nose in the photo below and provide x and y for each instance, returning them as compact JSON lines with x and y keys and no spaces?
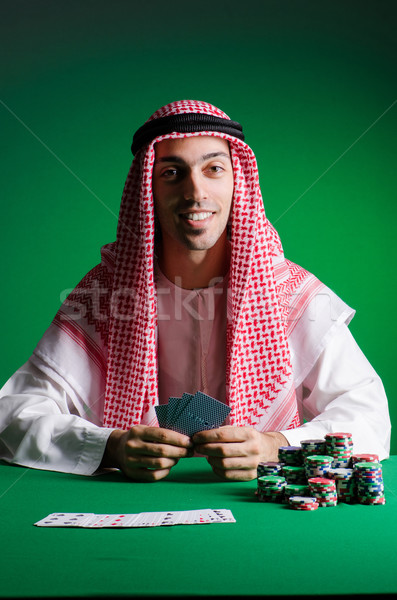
{"x":194,"y":187}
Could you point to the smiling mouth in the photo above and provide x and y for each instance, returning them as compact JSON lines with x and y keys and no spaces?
{"x":197,"y":216}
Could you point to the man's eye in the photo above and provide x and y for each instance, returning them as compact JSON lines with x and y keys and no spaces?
{"x":169,"y":173}
{"x":215,"y":169}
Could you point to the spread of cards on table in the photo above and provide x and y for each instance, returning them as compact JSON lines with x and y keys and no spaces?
{"x":144,"y":519}
{"x":320,"y":473}
{"x":192,"y":413}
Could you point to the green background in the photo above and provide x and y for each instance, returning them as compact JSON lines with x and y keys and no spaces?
{"x":313,"y":83}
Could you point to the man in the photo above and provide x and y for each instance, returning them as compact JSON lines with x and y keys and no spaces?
{"x":194,"y":295}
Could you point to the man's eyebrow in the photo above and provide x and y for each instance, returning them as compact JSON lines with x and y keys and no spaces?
{"x":214,"y":155}
{"x":171,"y":159}
{"x":179,"y":160}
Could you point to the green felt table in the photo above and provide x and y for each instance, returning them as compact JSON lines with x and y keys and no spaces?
{"x":271,"y":550}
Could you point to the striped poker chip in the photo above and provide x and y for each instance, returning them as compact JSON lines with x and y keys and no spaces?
{"x":316,"y":465}
{"x":340,"y":474}
{"x":346,"y":486}
{"x":321,"y":482}
{"x":326,"y":471}
{"x":303,"y":502}
{"x":370,"y":487}
{"x":290,"y":455}
{"x":294,"y":474}
{"x":302,"y":499}
{"x":316,"y":443}
{"x":356,"y":458}
{"x":272,"y":480}
{"x":314,"y":446}
{"x":373,"y":501}
{"x":340,"y":446}
{"x":368,"y":466}
{"x":294,"y":489}
{"x":268,"y":468}
{"x":324,"y":490}
{"x":317,"y":459}
{"x":270,"y":488}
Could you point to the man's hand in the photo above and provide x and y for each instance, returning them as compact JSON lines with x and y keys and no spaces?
{"x":145,"y":453}
{"x":234,"y":452}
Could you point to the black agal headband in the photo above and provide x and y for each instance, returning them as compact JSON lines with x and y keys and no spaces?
{"x":184,"y":123}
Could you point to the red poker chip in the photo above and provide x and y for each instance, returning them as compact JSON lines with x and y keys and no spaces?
{"x":321,"y":481}
{"x":365,"y":457}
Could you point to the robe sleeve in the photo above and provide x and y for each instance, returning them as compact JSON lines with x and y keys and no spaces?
{"x":41,"y":425}
{"x":342,"y":392}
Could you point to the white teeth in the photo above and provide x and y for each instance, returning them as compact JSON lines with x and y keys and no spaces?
{"x":198,"y":216}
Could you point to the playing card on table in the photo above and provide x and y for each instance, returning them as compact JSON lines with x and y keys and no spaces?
{"x":146,"y":519}
{"x":224,"y":515}
{"x":66,"y":520}
{"x":115,"y":520}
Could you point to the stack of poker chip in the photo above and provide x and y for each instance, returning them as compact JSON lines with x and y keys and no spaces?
{"x":345,"y":482}
{"x":324,"y":490}
{"x":370,"y":488}
{"x":340,"y":447}
{"x":295,"y":489}
{"x":290,"y":455}
{"x":303,"y":503}
{"x":325,"y":469}
{"x":271,"y":488}
{"x":316,"y":465}
{"x":269,"y":468}
{"x":363,"y":458}
{"x":294,"y":474}
{"x":310,"y":447}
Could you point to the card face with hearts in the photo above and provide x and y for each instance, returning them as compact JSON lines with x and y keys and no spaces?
{"x":192,"y":413}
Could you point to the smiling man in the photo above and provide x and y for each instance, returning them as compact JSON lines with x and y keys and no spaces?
{"x":193,"y":191}
{"x":195,"y":294}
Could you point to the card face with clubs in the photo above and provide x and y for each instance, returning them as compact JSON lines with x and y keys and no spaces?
{"x":66,"y":520}
{"x":192,"y":413}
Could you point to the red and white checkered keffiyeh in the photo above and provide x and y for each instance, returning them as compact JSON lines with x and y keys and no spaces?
{"x":265,"y":289}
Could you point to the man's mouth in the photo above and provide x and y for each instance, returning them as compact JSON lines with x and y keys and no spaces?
{"x":197,"y":216}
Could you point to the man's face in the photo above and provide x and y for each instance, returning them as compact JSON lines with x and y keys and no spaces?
{"x":193,"y":190}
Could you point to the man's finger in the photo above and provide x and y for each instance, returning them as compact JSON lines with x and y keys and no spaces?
{"x":138,"y":448}
{"x":224,"y":449}
{"x":165,"y":436}
{"x":149,"y":462}
{"x":225,"y":434}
